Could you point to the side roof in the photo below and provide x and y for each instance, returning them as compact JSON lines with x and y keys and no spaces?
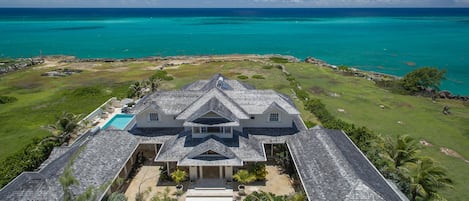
{"x":331,"y":167}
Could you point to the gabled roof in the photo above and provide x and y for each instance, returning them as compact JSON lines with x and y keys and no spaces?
{"x":206,"y":85}
{"x":257,"y":101}
{"x":213,"y":101}
{"x":196,"y":158}
{"x":170,"y":102}
{"x":331,"y":167}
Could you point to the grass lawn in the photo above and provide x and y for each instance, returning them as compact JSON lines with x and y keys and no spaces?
{"x":417,"y":116}
{"x":41,"y":99}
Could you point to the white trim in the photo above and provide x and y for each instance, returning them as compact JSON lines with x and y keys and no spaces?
{"x":299,"y":175}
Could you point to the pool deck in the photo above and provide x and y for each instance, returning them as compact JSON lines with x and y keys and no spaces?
{"x":101,"y":122}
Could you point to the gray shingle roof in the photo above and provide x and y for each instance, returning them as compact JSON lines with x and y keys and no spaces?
{"x":226,"y":157}
{"x":332,"y":168}
{"x":205,"y":85}
{"x":239,"y":99}
{"x":214,"y":100}
{"x":180,"y":146}
{"x":257,"y":101}
{"x":103,"y":158}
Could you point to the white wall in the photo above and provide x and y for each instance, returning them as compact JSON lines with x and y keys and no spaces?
{"x":262,"y":120}
{"x":143,"y":119}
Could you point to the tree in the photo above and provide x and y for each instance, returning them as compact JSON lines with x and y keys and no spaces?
{"x":179,"y":176}
{"x":426,"y":178}
{"x":153,"y":83}
{"x":67,"y":180}
{"x":402,"y":151}
{"x":264,"y":196}
{"x":267,"y":196}
{"x":259,"y":170}
{"x":244,"y":177}
{"x":163,"y":196}
{"x":65,"y":125}
{"x":423,"y":78}
{"x":135,"y":90}
{"x":116,"y":196}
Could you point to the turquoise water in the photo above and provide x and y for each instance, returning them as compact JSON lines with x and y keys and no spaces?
{"x":390,"y":41}
{"x":119,"y":121}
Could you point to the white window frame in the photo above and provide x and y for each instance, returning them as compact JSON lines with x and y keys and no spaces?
{"x":274,"y":113}
{"x":150,"y":115}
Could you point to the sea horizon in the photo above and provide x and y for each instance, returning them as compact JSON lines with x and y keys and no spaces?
{"x":386,"y":40}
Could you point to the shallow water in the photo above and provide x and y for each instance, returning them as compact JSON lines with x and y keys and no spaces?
{"x":393,"y":41}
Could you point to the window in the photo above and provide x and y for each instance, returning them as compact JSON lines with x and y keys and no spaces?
{"x":154,"y":117}
{"x":273,"y":117}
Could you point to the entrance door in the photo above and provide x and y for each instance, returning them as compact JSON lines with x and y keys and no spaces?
{"x":211,"y":172}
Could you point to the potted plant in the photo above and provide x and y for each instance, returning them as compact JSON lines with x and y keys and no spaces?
{"x":179,"y":176}
{"x":243,"y":177}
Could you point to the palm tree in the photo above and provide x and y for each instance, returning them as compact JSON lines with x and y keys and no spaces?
{"x":300,"y":196}
{"x":426,"y":178}
{"x":179,"y":176}
{"x":67,"y":180}
{"x":65,"y":125}
{"x":153,"y":83}
{"x":163,"y":196}
{"x":264,"y":196}
{"x":135,"y":90}
{"x":401,"y":152}
{"x":244,"y":177}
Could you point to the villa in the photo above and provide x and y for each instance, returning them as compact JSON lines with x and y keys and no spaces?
{"x":211,"y":129}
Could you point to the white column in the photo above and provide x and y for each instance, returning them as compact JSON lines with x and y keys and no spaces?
{"x":272,"y":150}
{"x":193,"y":173}
{"x":167,"y":169}
{"x":201,"y":174}
{"x":229,"y":173}
{"x":221,"y":171}
{"x":156,"y":149}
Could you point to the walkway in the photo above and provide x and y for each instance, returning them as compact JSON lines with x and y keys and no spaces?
{"x":210,"y":190}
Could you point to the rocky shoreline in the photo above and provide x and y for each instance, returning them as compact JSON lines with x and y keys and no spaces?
{"x":19,"y":64}
{"x":23,"y":63}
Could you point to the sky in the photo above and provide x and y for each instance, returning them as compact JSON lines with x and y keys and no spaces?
{"x":232,"y":3}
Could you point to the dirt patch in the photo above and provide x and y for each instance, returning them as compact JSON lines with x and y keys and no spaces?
{"x":452,"y":153}
{"x":317,"y":90}
{"x":425,"y":143}
{"x":404,"y":104}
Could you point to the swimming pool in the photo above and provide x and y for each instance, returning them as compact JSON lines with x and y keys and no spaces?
{"x":119,"y":121}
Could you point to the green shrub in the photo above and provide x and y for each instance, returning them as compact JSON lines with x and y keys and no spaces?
{"x":257,"y":76}
{"x":163,"y":75}
{"x":267,"y":67}
{"x":258,"y":169}
{"x":310,"y":124}
{"x":278,"y":60}
{"x":242,"y":77}
{"x":28,"y":159}
{"x":7,"y":99}
{"x":87,"y":91}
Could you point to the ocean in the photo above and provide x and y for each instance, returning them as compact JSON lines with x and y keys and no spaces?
{"x":393,"y":41}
